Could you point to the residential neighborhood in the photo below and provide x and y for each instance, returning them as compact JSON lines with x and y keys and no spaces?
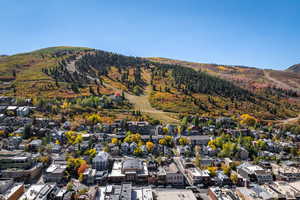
{"x":200,"y":158}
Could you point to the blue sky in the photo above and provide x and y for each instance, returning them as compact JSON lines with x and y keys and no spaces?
{"x":259,"y":33}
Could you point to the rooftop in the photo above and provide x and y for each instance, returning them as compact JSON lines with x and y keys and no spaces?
{"x":172,"y":168}
{"x":37,"y":192}
{"x":55,"y":168}
{"x":224,"y":194}
{"x":196,"y":172}
{"x":177,"y":194}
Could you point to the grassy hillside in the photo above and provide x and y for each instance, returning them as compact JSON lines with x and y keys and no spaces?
{"x":22,"y":74}
{"x":173,"y":86}
{"x":250,"y":78}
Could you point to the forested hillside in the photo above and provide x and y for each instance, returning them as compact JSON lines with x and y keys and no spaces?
{"x":68,"y":72}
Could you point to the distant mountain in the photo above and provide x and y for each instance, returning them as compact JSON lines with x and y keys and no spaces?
{"x":294,"y":68}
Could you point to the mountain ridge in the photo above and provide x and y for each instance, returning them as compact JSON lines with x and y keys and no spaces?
{"x":176,"y":86}
{"x":294,"y":68}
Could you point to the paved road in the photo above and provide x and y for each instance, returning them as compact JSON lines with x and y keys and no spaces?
{"x":182,"y":169}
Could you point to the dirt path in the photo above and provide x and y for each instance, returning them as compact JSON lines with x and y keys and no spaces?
{"x":285,"y":86}
{"x":290,"y":120}
{"x":278,"y":82}
{"x":142,"y":103}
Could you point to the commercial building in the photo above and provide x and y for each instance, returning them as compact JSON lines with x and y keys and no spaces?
{"x":178,"y":194}
{"x":10,"y":190}
{"x":39,"y":192}
{"x":55,"y":173}
{"x":216,"y":193}
{"x":133,"y":170}
{"x":15,"y":159}
{"x":174,"y":175}
{"x":254,"y":173}
{"x":197,"y":176}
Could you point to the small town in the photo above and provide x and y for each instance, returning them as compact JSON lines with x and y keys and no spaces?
{"x":150,"y":100}
{"x":202,"y":158}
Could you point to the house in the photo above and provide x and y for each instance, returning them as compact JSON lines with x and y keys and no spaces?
{"x":35,"y":144}
{"x":115,"y":150}
{"x":13,"y":142}
{"x":23,"y":111}
{"x":187,"y":162}
{"x":59,"y":195}
{"x":2,"y":117}
{"x":209,"y":161}
{"x":241,"y":181}
{"x":183,"y":150}
{"x":89,"y":176}
{"x":159,"y":130}
{"x":207,"y":150}
{"x":101,"y":161}
{"x":11,"y":110}
{"x":254,"y":173}
{"x":144,"y":149}
{"x":133,"y":146}
{"x":101,"y":177}
{"x":199,"y":139}
{"x":4,"y":100}
{"x":152,"y":165}
{"x":222,"y":179}
{"x":171,"y":129}
{"x":125,"y":147}
{"x":225,"y":122}
{"x":56,"y":148}
{"x":55,"y":173}
{"x":197,"y":176}
{"x":142,"y":127}
{"x":243,"y":153}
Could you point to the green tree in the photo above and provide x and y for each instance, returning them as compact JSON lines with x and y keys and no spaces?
{"x":27,"y":131}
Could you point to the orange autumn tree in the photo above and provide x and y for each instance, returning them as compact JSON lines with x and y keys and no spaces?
{"x":83,"y":166}
{"x":149,"y":146}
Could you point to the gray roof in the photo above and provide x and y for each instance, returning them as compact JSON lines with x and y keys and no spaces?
{"x":101,"y":156}
{"x":132,"y":164}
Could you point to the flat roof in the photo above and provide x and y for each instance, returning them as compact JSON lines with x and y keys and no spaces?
{"x":12,"y":190}
{"x":197,"y":172}
{"x":178,"y":194}
{"x":37,"y":191}
{"x":116,"y":170}
{"x":172,"y":168}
